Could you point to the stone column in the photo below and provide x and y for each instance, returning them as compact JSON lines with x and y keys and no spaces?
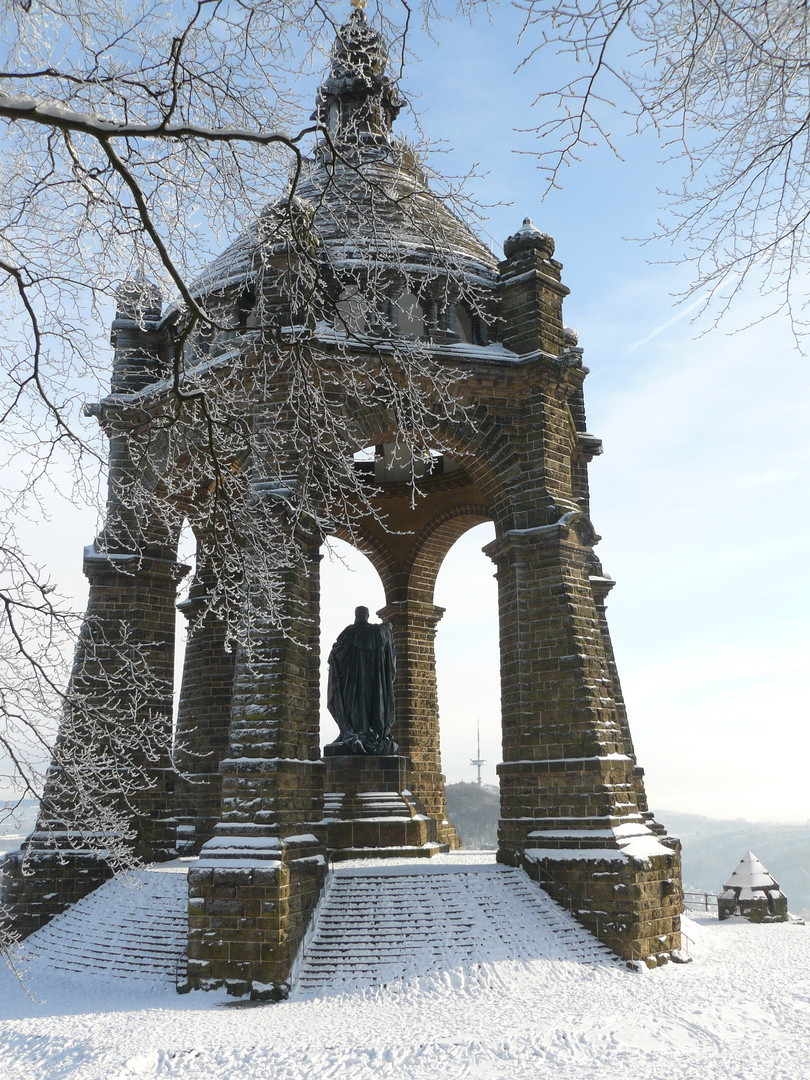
{"x":259,"y":877}
{"x":108,"y":790}
{"x":601,"y":586}
{"x":203,"y":722}
{"x":565,"y":764}
{"x":416,"y":730}
{"x":570,"y":811}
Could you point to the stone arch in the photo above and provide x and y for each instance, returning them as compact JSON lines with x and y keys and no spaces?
{"x":408,"y":551}
{"x":435,"y":541}
{"x":486,"y":447}
{"x":372,"y":546}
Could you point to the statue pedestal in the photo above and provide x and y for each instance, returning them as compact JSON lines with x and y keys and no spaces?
{"x":370,"y":812}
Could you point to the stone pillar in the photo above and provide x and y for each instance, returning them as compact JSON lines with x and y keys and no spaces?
{"x":601,"y":587}
{"x":259,"y":877}
{"x":557,"y":697}
{"x":531,"y":293}
{"x":570,"y":811}
{"x":416,"y":730}
{"x":108,"y":790}
{"x":203,"y":722}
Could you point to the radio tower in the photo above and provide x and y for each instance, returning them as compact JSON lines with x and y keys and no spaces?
{"x":479,"y":761}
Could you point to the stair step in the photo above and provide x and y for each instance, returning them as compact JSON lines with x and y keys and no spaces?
{"x":377,"y":929}
{"x":132,"y":927}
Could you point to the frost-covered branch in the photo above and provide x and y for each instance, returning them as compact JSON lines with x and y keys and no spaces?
{"x":725,"y":88}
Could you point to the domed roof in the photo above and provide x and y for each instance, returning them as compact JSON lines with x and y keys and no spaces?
{"x":370,"y":199}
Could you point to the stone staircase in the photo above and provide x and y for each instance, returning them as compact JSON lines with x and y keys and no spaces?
{"x":132,"y":927}
{"x":377,"y":924}
{"x":383,"y":924}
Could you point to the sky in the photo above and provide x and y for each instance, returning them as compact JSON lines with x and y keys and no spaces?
{"x":700,"y":496}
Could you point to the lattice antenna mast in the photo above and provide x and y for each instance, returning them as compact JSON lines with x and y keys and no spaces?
{"x":479,"y":761}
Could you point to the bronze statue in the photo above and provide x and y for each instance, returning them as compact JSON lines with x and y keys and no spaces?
{"x":360,"y":695}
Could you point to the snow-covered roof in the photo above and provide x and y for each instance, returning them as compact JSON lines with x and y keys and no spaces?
{"x":750,"y":874}
{"x":371,"y":203}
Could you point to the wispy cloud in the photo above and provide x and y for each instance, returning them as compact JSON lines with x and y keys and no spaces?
{"x":679,"y":315}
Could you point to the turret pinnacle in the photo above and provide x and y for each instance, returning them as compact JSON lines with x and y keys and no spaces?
{"x":358,"y":102}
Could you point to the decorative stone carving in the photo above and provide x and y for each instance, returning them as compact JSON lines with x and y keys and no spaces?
{"x":529,"y":236}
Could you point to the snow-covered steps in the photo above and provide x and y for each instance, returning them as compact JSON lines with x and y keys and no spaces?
{"x":385,"y":923}
{"x":133,"y":927}
{"x":377,"y":923}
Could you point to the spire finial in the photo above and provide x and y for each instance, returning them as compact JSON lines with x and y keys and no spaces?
{"x":358,"y":102}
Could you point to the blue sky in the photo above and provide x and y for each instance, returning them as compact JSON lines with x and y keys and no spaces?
{"x":700,"y":496}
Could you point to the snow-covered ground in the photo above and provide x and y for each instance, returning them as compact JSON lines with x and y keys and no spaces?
{"x":739,"y":1011}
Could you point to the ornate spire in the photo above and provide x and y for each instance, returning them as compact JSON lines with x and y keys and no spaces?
{"x":358,"y":102}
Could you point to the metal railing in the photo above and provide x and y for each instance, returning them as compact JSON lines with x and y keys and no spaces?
{"x":700,"y":901}
{"x":181,"y":983}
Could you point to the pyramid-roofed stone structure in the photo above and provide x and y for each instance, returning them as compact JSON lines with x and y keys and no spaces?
{"x":751,"y":891}
{"x":751,"y":874}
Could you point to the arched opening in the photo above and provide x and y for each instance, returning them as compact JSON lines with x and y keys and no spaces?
{"x":408,"y":313}
{"x":407,"y":545}
{"x":468,"y":683}
{"x":347,"y":580}
{"x":186,"y":556}
{"x":467,"y":657}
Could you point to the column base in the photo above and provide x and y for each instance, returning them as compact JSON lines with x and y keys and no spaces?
{"x":250,"y":901}
{"x":630,"y":903}
{"x":42,"y":879}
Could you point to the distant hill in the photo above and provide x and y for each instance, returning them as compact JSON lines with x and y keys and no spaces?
{"x":474,"y":810}
{"x":711,"y":847}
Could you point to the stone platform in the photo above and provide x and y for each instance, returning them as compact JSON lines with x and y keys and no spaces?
{"x":370,"y":812}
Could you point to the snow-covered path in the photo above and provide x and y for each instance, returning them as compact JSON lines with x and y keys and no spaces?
{"x":740,"y":1011}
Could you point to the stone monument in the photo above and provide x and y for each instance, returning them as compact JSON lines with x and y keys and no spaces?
{"x":752,"y":892}
{"x":261,"y":807}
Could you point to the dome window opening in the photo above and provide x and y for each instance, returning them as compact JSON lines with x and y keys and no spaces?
{"x":246,"y":314}
{"x":351,"y":315}
{"x":408,"y":315}
{"x":365,"y":460}
{"x":199,"y":343}
{"x":464,"y":327}
{"x":333,"y":117}
{"x":468,"y":325}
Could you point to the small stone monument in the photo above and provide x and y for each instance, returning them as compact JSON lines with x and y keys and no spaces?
{"x":753,"y":893}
